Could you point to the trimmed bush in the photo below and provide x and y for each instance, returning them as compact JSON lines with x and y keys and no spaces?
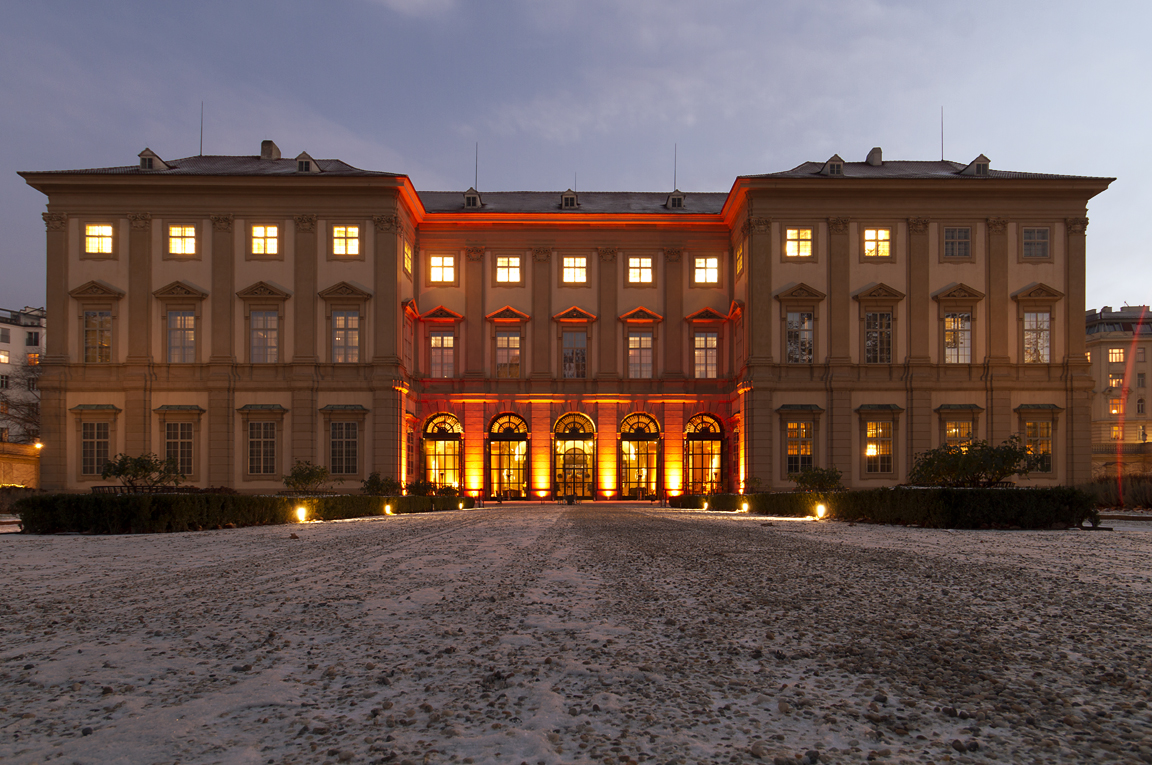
{"x":1129,"y":491}
{"x":150,"y":513}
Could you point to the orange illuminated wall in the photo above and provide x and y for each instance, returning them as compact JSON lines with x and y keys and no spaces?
{"x":474,"y":428}
{"x":674,"y":448}
{"x":606,"y":436}
{"x":541,"y":454}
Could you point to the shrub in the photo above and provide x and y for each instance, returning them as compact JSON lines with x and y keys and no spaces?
{"x":817,"y":479}
{"x":420,"y":488}
{"x":144,"y":472}
{"x":307,"y":477}
{"x":380,"y":487}
{"x":447,"y":491}
{"x":977,"y":463}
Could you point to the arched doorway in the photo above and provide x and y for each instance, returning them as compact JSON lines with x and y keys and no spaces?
{"x":703,"y":455}
{"x":443,"y":450}
{"x":574,"y":456}
{"x":508,"y":457}
{"x":639,"y":456}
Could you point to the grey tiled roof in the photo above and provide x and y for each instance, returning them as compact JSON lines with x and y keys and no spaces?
{"x":228,"y":165}
{"x":912,"y":170}
{"x":591,"y":202}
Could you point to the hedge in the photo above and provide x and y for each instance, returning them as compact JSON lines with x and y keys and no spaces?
{"x":150,"y":513}
{"x":944,"y":508}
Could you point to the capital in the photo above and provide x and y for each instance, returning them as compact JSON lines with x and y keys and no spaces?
{"x":997,"y":225}
{"x":140,"y":221}
{"x":474,"y":254}
{"x":673,"y":254}
{"x":305,"y":223}
{"x":222,"y":222}
{"x":1076,"y":225}
{"x":541,"y":254}
{"x":917,"y":225}
{"x":838,"y":225}
{"x":607,"y":254}
{"x":55,"y":221}
{"x":388,"y":223}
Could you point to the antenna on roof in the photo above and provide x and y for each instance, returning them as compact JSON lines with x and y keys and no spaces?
{"x":941,"y":133}
{"x":573,"y":180}
{"x":674,"y":157}
{"x":476,"y":181}
{"x":201,"y":128}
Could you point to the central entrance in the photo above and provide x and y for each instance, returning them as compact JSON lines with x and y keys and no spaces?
{"x":574,"y":457}
{"x":508,"y":457}
{"x":639,"y":456}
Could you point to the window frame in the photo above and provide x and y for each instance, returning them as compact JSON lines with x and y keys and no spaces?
{"x":692,"y":268}
{"x":879,"y":299}
{"x":521,"y":267}
{"x":330,"y":239}
{"x":576,"y":329}
{"x":1022,"y":227}
{"x":638,"y":329}
{"x":958,"y":299}
{"x":508,"y":327}
{"x":450,"y":329}
{"x":1113,"y":352}
{"x":1037,"y":299}
{"x":343,"y":296}
{"x":560,"y":268}
{"x":893,"y":239}
{"x":879,"y":413}
{"x":261,"y":413}
{"x":1042,"y":414}
{"x":799,"y":413}
{"x":430,"y":283}
{"x":114,"y":223}
{"x":816,"y":242}
{"x":800,"y":299}
{"x":197,"y":240}
{"x":708,"y":328}
{"x":166,"y":331}
{"x":344,"y":413}
{"x":651,"y":267}
{"x":110,"y":309}
{"x":95,"y":414}
{"x":407,"y":257}
{"x":250,"y":234}
{"x":182,"y":415}
{"x":942,"y":239}
{"x":262,"y":296}
{"x":181,"y":297}
{"x":969,"y":413}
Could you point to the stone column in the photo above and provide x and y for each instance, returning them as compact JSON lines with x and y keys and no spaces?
{"x":388,"y":432}
{"x":473,"y":467}
{"x":1078,"y":410}
{"x":53,"y":402}
{"x":386,"y":275}
{"x":138,"y":372}
{"x":222,"y":470}
{"x":303,"y":383}
{"x":608,"y":329}
{"x":542,"y":313}
{"x":540,"y":455}
{"x":474,"y":312}
{"x":839,"y":424}
{"x":917,"y":310}
{"x":674,"y":318}
{"x":999,"y":322}
{"x":607,"y":478}
{"x":756,"y":404}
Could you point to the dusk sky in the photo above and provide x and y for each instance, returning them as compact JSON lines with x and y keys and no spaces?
{"x":602,"y":90}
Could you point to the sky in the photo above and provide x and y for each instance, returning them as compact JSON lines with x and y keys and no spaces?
{"x":600,"y":94}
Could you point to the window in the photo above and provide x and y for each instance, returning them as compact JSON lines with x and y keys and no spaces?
{"x":1116,"y":406}
{"x":878,"y":338}
{"x":569,"y":202}
{"x":346,"y":240}
{"x":33,"y":359}
{"x":94,"y":438}
{"x":3,"y":382}
{"x":345,"y":337}
{"x":265,"y":330}
{"x":1115,"y":381}
{"x":178,"y":445}
{"x":575,"y":270}
{"x":877,"y":243}
{"x":1088,"y":356}
{"x":1139,"y":379}
{"x":575,"y":355}
{"x":31,"y":383}
{"x":98,"y":239}
{"x":1115,"y":355}
{"x":639,"y":270}
{"x":97,"y":337}
{"x":442,"y":353}
{"x":1139,"y":354}
{"x":181,"y":337}
{"x":676,"y":202}
{"x":1117,"y":433}
{"x":957,"y":433}
{"x":740,"y":258}
{"x":1037,"y":334}
{"x":344,"y":446}
{"x":878,"y":446}
{"x":1035,"y":243}
{"x":508,"y":269}
{"x":799,"y":337}
{"x":958,"y":338}
{"x":31,"y":339}
{"x":262,"y":448}
{"x":798,"y":243}
{"x":1139,"y":406}
{"x":408,"y":258}
{"x":1038,"y":440}
{"x":706,"y":271}
{"x":443,"y":269}
{"x":5,"y":336}
{"x":145,"y":163}
{"x":443,"y":450}
{"x":706,"y":347}
{"x":3,"y":407}
{"x":958,"y":242}
{"x":508,"y":353}
{"x":640,"y":355}
{"x":799,"y":446}
{"x":182,"y":240}
{"x":265,"y":240}
{"x":5,"y":358}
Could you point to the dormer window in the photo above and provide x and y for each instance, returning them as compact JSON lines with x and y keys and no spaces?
{"x":835,"y":169}
{"x":303,"y":166}
{"x":675,"y":201}
{"x":978,"y":166}
{"x":472,"y":200}
{"x":145,"y":163}
{"x":981,"y":168}
{"x":834,"y":166}
{"x":149,"y":161}
{"x":568,"y":200}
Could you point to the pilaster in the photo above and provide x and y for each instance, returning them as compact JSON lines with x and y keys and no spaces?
{"x":386,"y":275}
{"x":138,"y":372}
{"x":673,"y":327}
{"x":474,"y":312}
{"x":222,"y":470}
{"x":304,"y":272}
{"x":541,"y":309}
{"x":388,"y":433}
{"x":839,"y":302}
{"x":609,"y":328}
{"x":53,"y":404}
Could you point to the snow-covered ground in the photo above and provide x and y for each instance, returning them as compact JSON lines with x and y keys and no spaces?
{"x":577,"y":634}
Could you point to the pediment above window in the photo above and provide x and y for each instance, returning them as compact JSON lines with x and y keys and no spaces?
{"x":706,"y":315}
{"x":345,"y":290}
{"x":641,"y":314}
{"x":574,"y":314}
{"x":881,"y":293}
{"x":508,"y":313}
{"x":179,"y":289}
{"x":1038,"y":292}
{"x":440,"y":313}
{"x":801,"y":292}
{"x":96,"y":289}
{"x":959,"y":292}
{"x":263,"y":290}
{"x":735,"y":310}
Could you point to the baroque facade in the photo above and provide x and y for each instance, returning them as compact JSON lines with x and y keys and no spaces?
{"x":242,"y":313}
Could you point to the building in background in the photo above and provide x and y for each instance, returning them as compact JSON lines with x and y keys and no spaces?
{"x":22,"y":342}
{"x":242,"y":313}
{"x":1119,"y":346}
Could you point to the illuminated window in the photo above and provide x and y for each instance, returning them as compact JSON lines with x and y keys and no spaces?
{"x":1116,"y":406}
{"x":798,"y":243}
{"x":443,"y":450}
{"x":1115,"y":381}
{"x":181,"y":240}
{"x":1035,"y":243}
{"x":958,"y":242}
{"x":798,"y":337}
{"x":345,"y":240}
{"x":97,"y":337}
{"x":878,"y":446}
{"x":639,"y":270}
{"x":265,"y":328}
{"x":1117,"y":433}
{"x":181,"y":337}
{"x":958,"y":338}
{"x":706,"y":349}
{"x":640,"y":355}
{"x":878,"y":338}
{"x":262,"y":448}
{"x":265,"y":240}
{"x":958,"y":433}
{"x":707,"y":271}
{"x":877,"y":243}
{"x":508,"y":353}
{"x":1037,"y":337}
{"x":94,"y":437}
{"x":443,"y":269}
{"x":4,"y":357}
{"x":33,"y":359}
{"x":575,"y":270}
{"x":1038,"y":440}
{"x":407,"y":258}
{"x":740,"y":258}
{"x":1088,"y":356}
{"x":1116,"y":355}
{"x":442,"y":354}
{"x":98,"y":239}
{"x":799,"y":446}
{"x":508,"y":269}
{"x":178,"y":445}
{"x":344,"y":443}
{"x":345,"y":337}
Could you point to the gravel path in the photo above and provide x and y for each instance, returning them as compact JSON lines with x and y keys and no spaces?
{"x":586,"y":634}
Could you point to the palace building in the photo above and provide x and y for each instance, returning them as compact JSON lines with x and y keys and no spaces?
{"x":241,"y":313}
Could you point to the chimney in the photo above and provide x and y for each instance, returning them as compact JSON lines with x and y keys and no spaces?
{"x":1106,"y":309}
{"x":269,"y":150}
{"x":876,"y":157}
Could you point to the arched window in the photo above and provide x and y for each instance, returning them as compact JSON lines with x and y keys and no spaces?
{"x":574,"y":456}
{"x":704,"y":455}
{"x":508,"y":457}
{"x":639,"y":456}
{"x":443,"y":450}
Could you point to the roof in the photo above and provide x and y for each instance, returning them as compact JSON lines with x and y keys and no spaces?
{"x":590,"y":202}
{"x":230,"y":165}
{"x":914,"y":170}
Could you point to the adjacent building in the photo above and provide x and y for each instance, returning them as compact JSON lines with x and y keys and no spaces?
{"x":1119,"y":346}
{"x":242,"y":313}
{"x":22,"y":342}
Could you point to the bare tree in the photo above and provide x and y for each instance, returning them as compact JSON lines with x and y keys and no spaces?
{"x":20,"y":402}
